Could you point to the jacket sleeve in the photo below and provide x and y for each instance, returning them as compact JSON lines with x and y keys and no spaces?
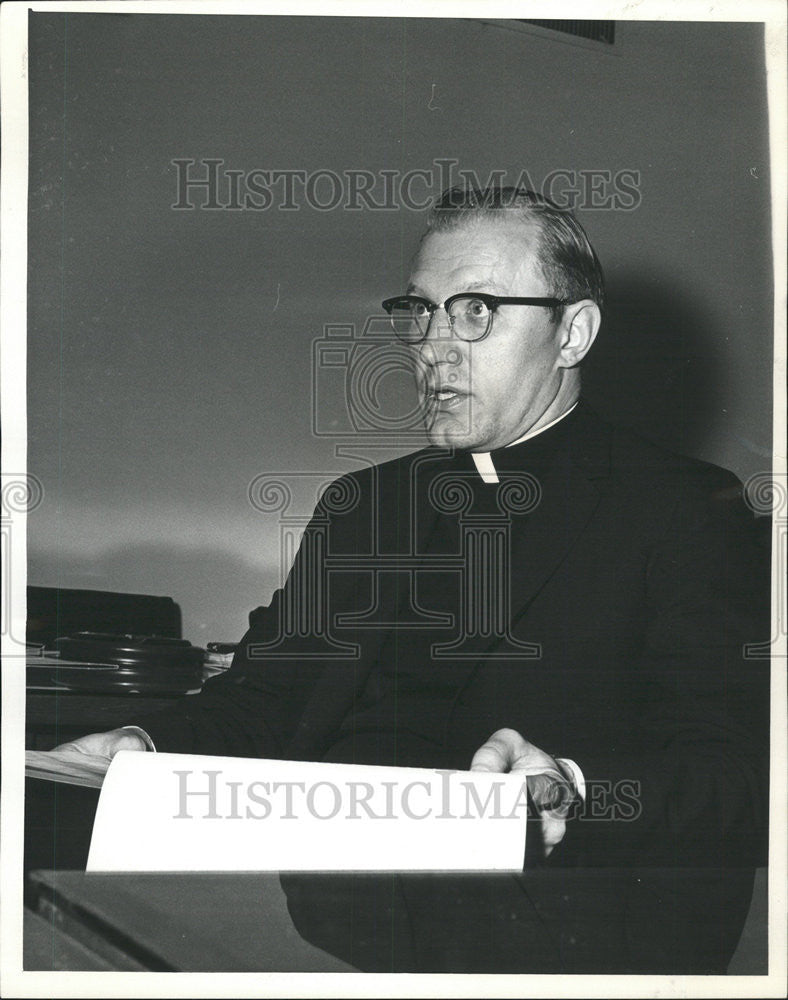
{"x":241,"y":713}
{"x":688,"y":785}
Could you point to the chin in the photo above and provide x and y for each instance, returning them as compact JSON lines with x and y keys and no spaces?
{"x":443,"y":433}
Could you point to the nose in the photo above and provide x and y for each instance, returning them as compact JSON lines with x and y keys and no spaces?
{"x":440,"y":359}
{"x":439,"y":338}
{"x":440,"y":324}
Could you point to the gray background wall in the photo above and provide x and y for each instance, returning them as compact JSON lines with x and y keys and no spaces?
{"x":170,"y":352}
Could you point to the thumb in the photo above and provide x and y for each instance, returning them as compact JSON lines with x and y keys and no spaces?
{"x":551,"y":792}
{"x":500,"y":752}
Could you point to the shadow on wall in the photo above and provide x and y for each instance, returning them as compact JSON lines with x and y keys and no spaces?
{"x":216,"y":589}
{"x":657,"y":366}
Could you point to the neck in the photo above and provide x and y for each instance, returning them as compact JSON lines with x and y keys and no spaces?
{"x":566,"y":396}
{"x":564,"y":400}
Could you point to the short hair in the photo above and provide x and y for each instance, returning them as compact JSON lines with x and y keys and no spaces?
{"x":567,"y":259}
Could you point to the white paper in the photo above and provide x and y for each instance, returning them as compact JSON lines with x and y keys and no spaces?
{"x":179,"y":812}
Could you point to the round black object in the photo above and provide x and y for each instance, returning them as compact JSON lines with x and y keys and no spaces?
{"x":144,"y":652}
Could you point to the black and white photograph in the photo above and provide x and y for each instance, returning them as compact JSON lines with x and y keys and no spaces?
{"x":394,"y":505}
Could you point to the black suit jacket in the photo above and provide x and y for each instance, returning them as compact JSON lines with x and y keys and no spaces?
{"x":631,"y":584}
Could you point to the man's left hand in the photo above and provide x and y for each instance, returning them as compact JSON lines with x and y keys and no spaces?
{"x":551,"y":787}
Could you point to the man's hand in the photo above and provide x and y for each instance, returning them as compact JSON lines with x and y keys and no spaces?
{"x":105,"y":744}
{"x":550,"y":787}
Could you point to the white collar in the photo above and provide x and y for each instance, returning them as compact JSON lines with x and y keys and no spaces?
{"x":483,"y":459}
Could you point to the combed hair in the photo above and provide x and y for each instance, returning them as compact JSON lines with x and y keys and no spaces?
{"x":566,"y":257}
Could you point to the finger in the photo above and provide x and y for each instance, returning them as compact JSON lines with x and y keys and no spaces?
{"x":531,"y":760}
{"x":500,"y":751}
{"x":70,"y":747}
{"x":550,"y":788}
{"x":551,"y":793}
{"x":553,"y":832}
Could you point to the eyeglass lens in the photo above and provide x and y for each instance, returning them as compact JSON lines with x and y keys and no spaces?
{"x":469,"y":318}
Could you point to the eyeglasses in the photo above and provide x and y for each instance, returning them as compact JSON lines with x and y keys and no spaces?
{"x":470,"y":313}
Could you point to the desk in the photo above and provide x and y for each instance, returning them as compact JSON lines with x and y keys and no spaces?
{"x":200,"y":922}
{"x":238,"y":922}
{"x":217,"y":922}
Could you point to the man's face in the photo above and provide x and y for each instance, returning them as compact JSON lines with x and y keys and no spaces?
{"x":484,"y":395}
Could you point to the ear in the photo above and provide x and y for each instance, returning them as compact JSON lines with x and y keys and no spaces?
{"x":578,"y":329}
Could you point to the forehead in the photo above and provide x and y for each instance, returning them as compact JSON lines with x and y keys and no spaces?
{"x":479,"y":254}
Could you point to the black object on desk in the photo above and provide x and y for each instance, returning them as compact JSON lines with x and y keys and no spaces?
{"x":56,"y":611}
{"x":119,"y":664}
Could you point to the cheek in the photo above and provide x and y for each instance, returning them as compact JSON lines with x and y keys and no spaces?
{"x":508,"y":378}
{"x":523,"y":362}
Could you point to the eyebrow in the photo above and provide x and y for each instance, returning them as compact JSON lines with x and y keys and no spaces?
{"x":477,"y":286}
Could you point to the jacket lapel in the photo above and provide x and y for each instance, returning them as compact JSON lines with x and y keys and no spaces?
{"x":407,"y":528}
{"x":570,"y":491}
{"x":540,"y":542}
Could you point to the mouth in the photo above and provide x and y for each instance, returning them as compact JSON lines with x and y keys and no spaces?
{"x":444,"y":398}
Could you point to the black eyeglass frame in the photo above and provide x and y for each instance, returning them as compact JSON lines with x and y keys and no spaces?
{"x":491,"y":302}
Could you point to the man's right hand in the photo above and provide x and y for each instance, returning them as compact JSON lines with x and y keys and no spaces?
{"x":105,"y":744}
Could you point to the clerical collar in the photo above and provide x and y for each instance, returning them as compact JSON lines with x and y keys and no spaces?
{"x":483,"y":460}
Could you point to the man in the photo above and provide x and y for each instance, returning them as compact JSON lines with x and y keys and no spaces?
{"x":602,"y":653}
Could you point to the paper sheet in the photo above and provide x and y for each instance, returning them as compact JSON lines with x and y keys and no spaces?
{"x":68,"y":766}
{"x":178,"y":812}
